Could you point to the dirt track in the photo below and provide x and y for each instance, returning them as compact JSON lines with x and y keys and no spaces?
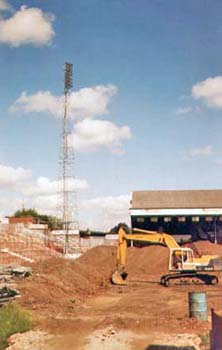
{"x":82,"y":311}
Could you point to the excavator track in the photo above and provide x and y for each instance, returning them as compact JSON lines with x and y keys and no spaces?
{"x":188,"y":279}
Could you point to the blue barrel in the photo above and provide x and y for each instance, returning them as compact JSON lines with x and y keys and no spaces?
{"x":198,"y":305}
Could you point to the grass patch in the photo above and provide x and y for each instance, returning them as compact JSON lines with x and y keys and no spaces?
{"x":205,"y":341}
{"x":13,"y":319}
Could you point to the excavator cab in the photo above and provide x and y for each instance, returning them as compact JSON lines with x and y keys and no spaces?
{"x":181,"y":259}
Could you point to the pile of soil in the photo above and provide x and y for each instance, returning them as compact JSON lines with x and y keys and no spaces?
{"x":58,"y":283}
{"x":150,"y":260}
{"x":205,"y":248}
{"x":63,"y":283}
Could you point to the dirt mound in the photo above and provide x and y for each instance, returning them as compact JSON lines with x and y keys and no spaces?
{"x":150,"y":260}
{"x":61,"y":283}
{"x":205,"y":248}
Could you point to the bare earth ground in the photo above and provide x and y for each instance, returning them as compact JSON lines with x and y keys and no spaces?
{"x":130,"y":317}
{"x":110,"y":317}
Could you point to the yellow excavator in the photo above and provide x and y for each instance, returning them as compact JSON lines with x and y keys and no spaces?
{"x":184,"y":268}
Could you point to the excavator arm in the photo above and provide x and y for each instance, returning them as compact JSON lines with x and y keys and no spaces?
{"x":119,"y":275}
{"x":144,"y":236}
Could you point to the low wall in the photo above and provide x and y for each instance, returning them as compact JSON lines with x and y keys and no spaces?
{"x":82,"y":244}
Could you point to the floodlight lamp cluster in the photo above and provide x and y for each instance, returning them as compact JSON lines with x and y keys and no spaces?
{"x":68,"y":76}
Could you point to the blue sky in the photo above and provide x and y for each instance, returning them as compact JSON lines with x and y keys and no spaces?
{"x":146,"y":105}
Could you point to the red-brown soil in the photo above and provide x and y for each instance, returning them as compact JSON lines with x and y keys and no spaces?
{"x":58,"y":283}
{"x":74,"y":298}
{"x":150,"y":260}
{"x":206,"y":248}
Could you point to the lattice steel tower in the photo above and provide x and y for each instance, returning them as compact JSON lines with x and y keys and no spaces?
{"x":66,"y":179}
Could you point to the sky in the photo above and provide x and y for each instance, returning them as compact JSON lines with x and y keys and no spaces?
{"x":145,"y":109}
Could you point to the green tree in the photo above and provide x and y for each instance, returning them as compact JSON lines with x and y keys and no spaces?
{"x":26,"y":212}
{"x":115,"y":229}
{"x":52,"y":221}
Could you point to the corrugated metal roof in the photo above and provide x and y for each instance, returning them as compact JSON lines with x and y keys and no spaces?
{"x":176,"y":199}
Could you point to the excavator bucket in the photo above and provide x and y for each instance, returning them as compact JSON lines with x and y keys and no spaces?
{"x":119,"y":278}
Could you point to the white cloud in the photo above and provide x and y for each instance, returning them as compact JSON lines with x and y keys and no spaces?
{"x":9,"y":205}
{"x":91,"y":102}
{"x":200,"y":152}
{"x":12,"y":177}
{"x":105,"y":212}
{"x":115,"y":204}
{"x":91,"y":135}
{"x":210,"y":91}
{"x":27,"y":26}
{"x":218,"y":161}
{"x":184,"y":110}
{"x":23,"y":190}
{"x":100,"y":213}
{"x":188,"y":110}
{"x":84,"y":103}
{"x":42,"y":101}
{"x":4,"y":5}
{"x":20,"y":181}
{"x":44,"y":186}
{"x":43,"y":204}
{"x":46,"y":204}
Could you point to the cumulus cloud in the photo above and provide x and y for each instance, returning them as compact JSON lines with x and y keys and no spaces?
{"x":210,"y":91}
{"x":44,"y":186}
{"x":84,"y":103}
{"x":9,"y":205}
{"x":42,"y":101}
{"x":41,"y":194}
{"x":4,"y":5}
{"x":46,"y":204}
{"x":92,"y":102}
{"x":90,"y":135}
{"x":198,"y":152}
{"x":99,"y":213}
{"x":21,"y":181}
{"x":105,"y":212}
{"x":43,"y":204}
{"x":12,"y":177}
{"x":27,"y":26}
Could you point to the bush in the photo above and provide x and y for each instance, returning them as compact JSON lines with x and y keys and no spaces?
{"x":13,"y":319}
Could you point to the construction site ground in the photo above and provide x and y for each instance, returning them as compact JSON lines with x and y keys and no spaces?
{"x":77,"y":307}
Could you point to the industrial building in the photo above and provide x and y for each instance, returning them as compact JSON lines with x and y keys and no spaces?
{"x":188,"y":214}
